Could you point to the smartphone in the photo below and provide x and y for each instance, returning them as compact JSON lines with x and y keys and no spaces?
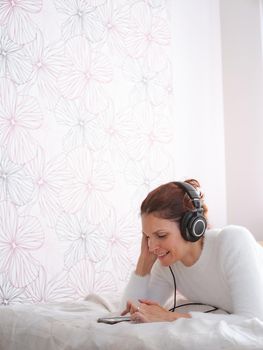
{"x":114,"y":319}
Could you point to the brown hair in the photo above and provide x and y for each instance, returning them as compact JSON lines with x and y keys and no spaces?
{"x":169,"y":201}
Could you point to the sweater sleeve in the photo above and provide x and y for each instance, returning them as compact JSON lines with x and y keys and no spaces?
{"x":136,"y":288}
{"x":241,"y":261}
{"x":156,"y":286}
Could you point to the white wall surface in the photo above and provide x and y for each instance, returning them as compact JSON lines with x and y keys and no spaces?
{"x":198,"y":105}
{"x":87,"y":130}
{"x":243,"y":110}
{"x":84,"y":136}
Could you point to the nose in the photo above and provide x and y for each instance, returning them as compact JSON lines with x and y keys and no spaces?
{"x":152,"y":245}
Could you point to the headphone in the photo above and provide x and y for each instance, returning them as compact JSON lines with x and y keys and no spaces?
{"x":193,"y":223}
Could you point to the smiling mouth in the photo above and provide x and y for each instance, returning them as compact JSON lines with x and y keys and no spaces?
{"x":160,"y":256}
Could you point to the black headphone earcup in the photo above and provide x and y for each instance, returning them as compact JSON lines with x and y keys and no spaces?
{"x":193,"y":226}
{"x":184,"y":226}
{"x":197,"y":226}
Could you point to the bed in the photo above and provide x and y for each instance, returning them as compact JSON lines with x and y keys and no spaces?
{"x":73,"y":326}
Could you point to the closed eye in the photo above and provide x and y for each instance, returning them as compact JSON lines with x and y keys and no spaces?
{"x":158,"y":235}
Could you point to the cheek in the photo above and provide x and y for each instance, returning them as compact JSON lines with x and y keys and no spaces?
{"x":177,"y":246}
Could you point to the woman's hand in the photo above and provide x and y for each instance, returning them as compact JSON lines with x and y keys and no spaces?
{"x":130,"y":308}
{"x":150,"y":311}
{"x":146,"y":258}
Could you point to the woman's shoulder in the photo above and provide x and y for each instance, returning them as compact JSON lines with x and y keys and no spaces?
{"x":230,"y":233}
{"x":234,"y":238}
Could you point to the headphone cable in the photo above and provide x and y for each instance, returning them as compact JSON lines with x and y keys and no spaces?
{"x":174,"y":307}
{"x":214,"y":308}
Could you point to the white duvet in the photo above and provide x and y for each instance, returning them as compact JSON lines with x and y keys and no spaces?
{"x":73,"y":326}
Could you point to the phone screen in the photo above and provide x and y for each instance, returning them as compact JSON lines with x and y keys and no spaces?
{"x":113,"y":320}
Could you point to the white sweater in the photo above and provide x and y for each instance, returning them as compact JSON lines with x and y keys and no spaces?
{"x":227,"y":275}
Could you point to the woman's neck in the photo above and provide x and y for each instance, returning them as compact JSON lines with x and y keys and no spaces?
{"x":194,"y":252}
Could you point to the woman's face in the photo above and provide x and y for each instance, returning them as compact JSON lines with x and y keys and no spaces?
{"x":164,"y":239}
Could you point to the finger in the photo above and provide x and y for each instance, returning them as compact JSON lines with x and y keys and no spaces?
{"x":148,"y":302}
{"x":136,"y":317}
{"x":143,"y":319}
{"x":128,"y":308}
{"x":134,"y":308}
{"x":124,"y":312}
{"x":138,"y":309}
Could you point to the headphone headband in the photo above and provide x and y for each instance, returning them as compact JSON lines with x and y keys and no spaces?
{"x":192,"y":193}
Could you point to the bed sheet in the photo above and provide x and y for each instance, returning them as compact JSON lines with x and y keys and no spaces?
{"x":73,"y":326}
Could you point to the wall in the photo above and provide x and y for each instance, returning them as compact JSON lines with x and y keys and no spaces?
{"x":198,"y":105}
{"x":243,"y":110}
{"x":97,"y":107}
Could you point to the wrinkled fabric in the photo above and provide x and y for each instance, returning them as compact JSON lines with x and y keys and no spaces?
{"x":73,"y":326}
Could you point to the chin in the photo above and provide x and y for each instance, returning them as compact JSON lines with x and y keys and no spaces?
{"x":165,"y":263}
{"x":168,"y":262}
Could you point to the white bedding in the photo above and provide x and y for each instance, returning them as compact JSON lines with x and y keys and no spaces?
{"x":73,"y":326}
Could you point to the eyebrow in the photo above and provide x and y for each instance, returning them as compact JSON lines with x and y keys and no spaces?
{"x":156,"y":232}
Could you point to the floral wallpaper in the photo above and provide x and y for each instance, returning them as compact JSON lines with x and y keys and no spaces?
{"x":85,"y":133}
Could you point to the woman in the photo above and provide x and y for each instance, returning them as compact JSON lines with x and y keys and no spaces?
{"x":222,"y":268}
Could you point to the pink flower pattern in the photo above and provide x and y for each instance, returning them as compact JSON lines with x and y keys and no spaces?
{"x":14,"y":63}
{"x":86,"y":239}
{"x":82,"y":18}
{"x":46,"y":63}
{"x":18,"y":236}
{"x":86,"y":181}
{"x":83,"y":119}
{"x":8,"y":293}
{"x":153,"y":134}
{"x":43,"y":291}
{"x":45,"y":176}
{"x":117,"y":128}
{"x":83,"y":127}
{"x":147,"y":84}
{"x":115,"y":20}
{"x":145,"y":176}
{"x":18,"y":115}
{"x":84,"y":279}
{"x":148,"y":37}
{"x":85,"y":77}
{"x":121,"y":235}
{"x":15,"y":184}
{"x":14,"y":14}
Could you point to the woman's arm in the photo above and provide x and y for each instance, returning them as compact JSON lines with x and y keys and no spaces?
{"x":146,"y":259}
{"x":149,"y":281}
{"x":241,"y":262}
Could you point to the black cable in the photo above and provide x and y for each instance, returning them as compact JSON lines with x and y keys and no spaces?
{"x":187,"y":304}
{"x":174,"y":290}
